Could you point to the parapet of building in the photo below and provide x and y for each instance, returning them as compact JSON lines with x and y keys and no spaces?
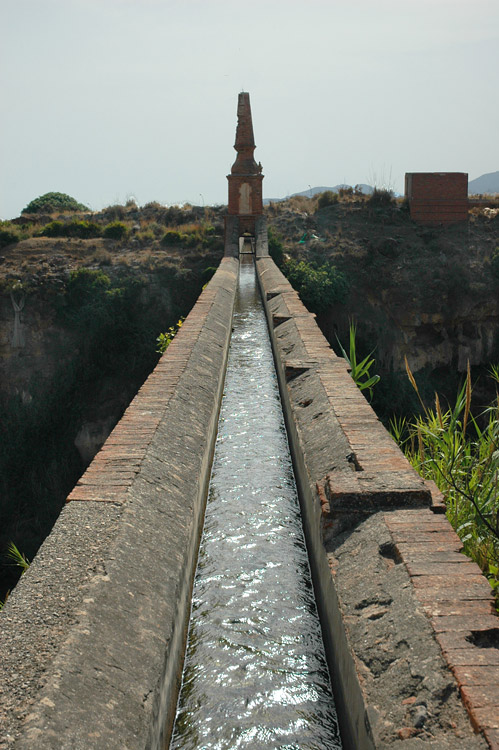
{"x":437,"y":198}
{"x":245,"y":179}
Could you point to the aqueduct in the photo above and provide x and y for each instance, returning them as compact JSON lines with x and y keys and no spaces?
{"x":93,"y":637}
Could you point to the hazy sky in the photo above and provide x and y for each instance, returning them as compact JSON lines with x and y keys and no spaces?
{"x":107,"y":99}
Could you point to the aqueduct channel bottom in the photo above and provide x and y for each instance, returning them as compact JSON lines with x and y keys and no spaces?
{"x":255,"y":673}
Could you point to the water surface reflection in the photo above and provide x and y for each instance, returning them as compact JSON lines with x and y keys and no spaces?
{"x":255,"y":674}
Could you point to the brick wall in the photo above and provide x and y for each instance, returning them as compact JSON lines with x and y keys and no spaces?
{"x":437,"y":197}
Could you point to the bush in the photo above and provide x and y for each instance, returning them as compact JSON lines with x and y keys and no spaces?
{"x":115,"y":212}
{"x":380,"y":198}
{"x":172,"y":238}
{"x":319,"y":287}
{"x":52,"y":202}
{"x":84,"y":284}
{"x":8,"y":237}
{"x":327,"y":198}
{"x":276,"y":248}
{"x":116,"y":230}
{"x":53,"y":229}
{"x":82,"y":229}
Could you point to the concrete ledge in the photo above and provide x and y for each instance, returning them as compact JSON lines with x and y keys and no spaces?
{"x":392,"y":684}
{"x":109,"y":591}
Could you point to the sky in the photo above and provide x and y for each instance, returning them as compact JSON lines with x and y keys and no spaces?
{"x":112,"y":99}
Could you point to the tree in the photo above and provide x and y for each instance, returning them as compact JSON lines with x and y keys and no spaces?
{"x":51,"y":202}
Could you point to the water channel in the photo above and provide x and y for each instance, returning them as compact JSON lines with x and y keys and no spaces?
{"x":255,"y":674}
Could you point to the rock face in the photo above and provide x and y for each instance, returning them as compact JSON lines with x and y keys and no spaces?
{"x":467,"y":329}
{"x":428,"y":294}
{"x":32,"y":343}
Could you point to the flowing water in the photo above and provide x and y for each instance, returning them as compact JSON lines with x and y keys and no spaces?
{"x":255,"y":674}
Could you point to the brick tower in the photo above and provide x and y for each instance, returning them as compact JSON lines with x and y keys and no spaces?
{"x":245,"y":179}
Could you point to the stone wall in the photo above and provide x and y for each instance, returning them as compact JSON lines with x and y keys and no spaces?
{"x":403,"y":611}
{"x":92,"y":638}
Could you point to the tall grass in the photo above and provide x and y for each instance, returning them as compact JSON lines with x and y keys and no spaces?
{"x":359,"y":370}
{"x":460,"y":453}
{"x":18,"y":559}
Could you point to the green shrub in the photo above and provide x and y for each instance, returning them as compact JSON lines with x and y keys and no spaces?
{"x":360,"y":372}
{"x":116,"y":230}
{"x":83,"y":229}
{"x":8,"y":237}
{"x":172,"y":238}
{"x":51,"y":202}
{"x":84,"y":284}
{"x":276,"y":248}
{"x":319,"y":287}
{"x":75,"y":228}
{"x":53,"y":229}
{"x":327,"y":198}
{"x":165,"y":339}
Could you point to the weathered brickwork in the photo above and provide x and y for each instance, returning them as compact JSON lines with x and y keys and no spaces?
{"x":395,"y":581}
{"x":437,"y":198}
{"x":457,"y":599}
{"x":245,"y":179}
{"x":115,"y":467}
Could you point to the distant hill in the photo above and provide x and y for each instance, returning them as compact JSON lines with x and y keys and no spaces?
{"x":487,"y":183}
{"x":367,"y":189}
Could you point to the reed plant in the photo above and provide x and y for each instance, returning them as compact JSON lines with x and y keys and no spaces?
{"x":460,"y":453}
{"x":359,"y":370}
{"x":18,"y":559}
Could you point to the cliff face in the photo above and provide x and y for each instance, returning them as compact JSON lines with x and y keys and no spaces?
{"x":445,"y":334}
{"x":430,"y":295}
{"x":32,"y":343}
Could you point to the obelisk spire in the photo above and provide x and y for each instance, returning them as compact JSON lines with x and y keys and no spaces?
{"x":245,"y":179}
{"x":245,"y":140}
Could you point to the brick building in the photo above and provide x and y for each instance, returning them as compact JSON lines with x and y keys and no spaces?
{"x":437,"y":198}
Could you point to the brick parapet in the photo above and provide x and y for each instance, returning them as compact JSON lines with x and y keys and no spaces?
{"x":457,"y":599}
{"x":357,"y":492}
{"x":373,"y":470}
{"x":115,"y":467}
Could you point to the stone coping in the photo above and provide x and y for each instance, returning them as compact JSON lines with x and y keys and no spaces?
{"x":92,"y":638}
{"x":358,"y":489}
